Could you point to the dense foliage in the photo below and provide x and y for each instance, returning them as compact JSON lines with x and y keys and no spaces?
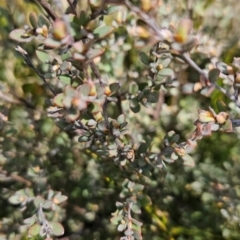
{"x":119,"y":119}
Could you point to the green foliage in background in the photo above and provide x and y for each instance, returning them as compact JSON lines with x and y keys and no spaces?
{"x":119,"y":119}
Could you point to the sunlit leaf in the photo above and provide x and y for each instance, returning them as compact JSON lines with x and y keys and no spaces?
{"x":165,"y":62}
{"x":183,"y":30}
{"x":174,"y":156}
{"x":121,"y":119}
{"x":128,"y":232}
{"x":166,"y":72}
{"x":91,"y":123}
{"x":57,"y":228}
{"x":17,"y":199}
{"x":225,"y":213}
{"x":47,"y":204}
{"x":58,"y":100}
{"x":43,"y":56}
{"x":121,"y":227}
{"x":205,"y":116}
{"x":18,"y":34}
{"x":29,"y":192}
{"x":59,"y":199}
{"x":197,"y":86}
{"x":188,"y":161}
{"x":93,"y":24}
{"x":30,"y":220}
{"x":136,"y":209}
{"x":51,"y":43}
{"x":188,"y":88}
{"x":34,"y":230}
{"x":137,"y":187}
{"x":112,"y":9}
{"x":38,"y":200}
{"x":102,"y":32}
{"x":116,"y":219}
{"x":66,"y":79}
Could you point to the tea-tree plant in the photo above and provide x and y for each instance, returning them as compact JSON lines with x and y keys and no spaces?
{"x":113,"y":75}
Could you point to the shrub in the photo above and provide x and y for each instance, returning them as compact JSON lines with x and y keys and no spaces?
{"x":118,"y":115}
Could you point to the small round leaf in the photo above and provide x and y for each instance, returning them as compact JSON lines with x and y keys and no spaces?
{"x":34,"y":230}
{"x":17,"y":35}
{"x":58,"y":100}
{"x":213,"y":75}
{"x":43,"y":56}
{"x":38,"y":200}
{"x":57,"y":228}
{"x":134,"y":105}
{"x":116,"y":219}
{"x":33,"y":19}
{"x":102,"y":32}
{"x":144,"y":58}
{"x":17,"y":199}
{"x":188,"y":161}
{"x":121,"y":227}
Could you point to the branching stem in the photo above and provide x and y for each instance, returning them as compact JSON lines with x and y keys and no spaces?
{"x":46,"y":6}
{"x":30,"y":64}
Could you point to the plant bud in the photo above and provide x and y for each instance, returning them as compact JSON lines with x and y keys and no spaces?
{"x":33,"y":19}
{"x":107,"y":91}
{"x":59,"y":30}
{"x":222,"y":117}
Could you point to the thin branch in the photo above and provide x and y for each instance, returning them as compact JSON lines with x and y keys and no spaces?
{"x":20,"y":179}
{"x":46,"y":6}
{"x":105,"y":115}
{"x":151,"y":22}
{"x":190,"y":8}
{"x":73,"y":5}
{"x":119,"y":104}
{"x":157,"y":112}
{"x":188,"y":60}
{"x":95,"y":70}
{"x":30,"y":64}
{"x":79,"y":125}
